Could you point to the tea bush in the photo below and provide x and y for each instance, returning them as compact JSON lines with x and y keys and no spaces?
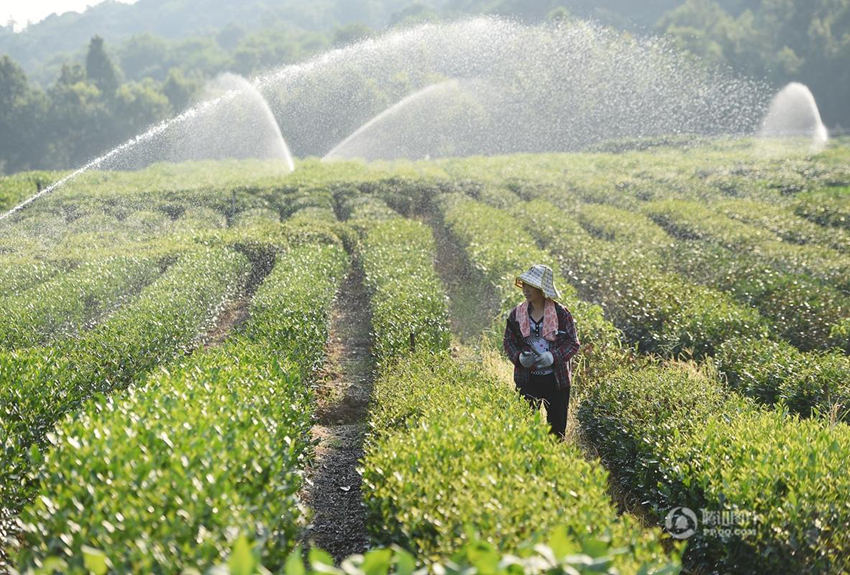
{"x":408,"y":304}
{"x":674,"y":438}
{"x":825,"y":207}
{"x":691,"y":220}
{"x":660,"y":311}
{"x":773,"y":371}
{"x":65,"y":305}
{"x":800,"y":309}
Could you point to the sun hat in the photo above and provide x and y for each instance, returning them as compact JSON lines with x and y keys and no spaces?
{"x":542,"y":277}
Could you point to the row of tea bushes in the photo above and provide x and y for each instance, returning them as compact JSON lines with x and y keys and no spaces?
{"x":356,"y":207}
{"x":797,"y":307}
{"x":455,"y":457}
{"x":784,"y":223}
{"x":628,"y":227}
{"x":16,"y":188}
{"x":30,"y":235}
{"x":167,"y":475}
{"x":280,"y":310}
{"x":769,"y":490}
{"x":826,"y":207}
{"x":64,"y":306}
{"x":801,"y":309}
{"x":663,"y":312}
{"x":691,"y":220}
{"x":19,"y":273}
{"x":224,"y":186}
{"x":98,"y":210}
{"x":408,"y":304}
{"x":496,"y":246}
{"x":813,"y":383}
{"x":39,"y":385}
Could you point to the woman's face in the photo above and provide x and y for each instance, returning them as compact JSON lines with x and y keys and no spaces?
{"x":532,"y":293}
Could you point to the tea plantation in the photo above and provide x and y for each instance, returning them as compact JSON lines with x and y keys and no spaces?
{"x":144,"y":430}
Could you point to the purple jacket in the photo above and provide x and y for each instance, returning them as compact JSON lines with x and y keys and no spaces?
{"x":564,"y":347}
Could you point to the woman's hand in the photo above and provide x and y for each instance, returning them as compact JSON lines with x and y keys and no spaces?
{"x":544,"y":360}
{"x":527,"y":358}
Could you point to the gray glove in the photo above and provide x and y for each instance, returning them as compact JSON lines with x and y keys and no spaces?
{"x":544,"y":360}
{"x":527,"y":358}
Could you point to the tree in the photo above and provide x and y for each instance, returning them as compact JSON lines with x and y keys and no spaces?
{"x":179,"y":90}
{"x":144,"y":56}
{"x":137,"y":106}
{"x":414,"y":14}
{"x":265,"y":50}
{"x":22,"y":111}
{"x":77,"y":124}
{"x":13,"y":93}
{"x":100,"y":69}
{"x":700,"y":27}
{"x":71,"y":74}
{"x":230,"y":36}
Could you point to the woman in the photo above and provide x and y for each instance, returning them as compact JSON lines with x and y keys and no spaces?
{"x":540,"y":339}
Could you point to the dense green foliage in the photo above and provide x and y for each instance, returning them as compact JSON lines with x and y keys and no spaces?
{"x":41,"y":384}
{"x":676,"y":438}
{"x":214,"y":445}
{"x":660,"y":311}
{"x":65,"y":305}
{"x":690,"y":220}
{"x":408,"y":303}
{"x":448,"y":446}
{"x":774,"y":371}
{"x":456,"y":457}
{"x":796,"y":306}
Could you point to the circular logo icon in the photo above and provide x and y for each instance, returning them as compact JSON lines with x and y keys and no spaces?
{"x":681,"y":522}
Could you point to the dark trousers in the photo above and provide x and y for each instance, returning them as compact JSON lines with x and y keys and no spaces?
{"x":541,"y":389}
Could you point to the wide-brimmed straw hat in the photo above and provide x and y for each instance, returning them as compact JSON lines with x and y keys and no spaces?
{"x":542,"y":277}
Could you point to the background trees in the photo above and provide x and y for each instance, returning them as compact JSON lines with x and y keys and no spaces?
{"x":74,"y":85}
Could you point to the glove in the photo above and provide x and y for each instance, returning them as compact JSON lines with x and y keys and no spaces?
{"x":527,"y":358}
{"x":545,"y":359}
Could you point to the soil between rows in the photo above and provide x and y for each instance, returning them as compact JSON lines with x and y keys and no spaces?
{"x":342,"y":391}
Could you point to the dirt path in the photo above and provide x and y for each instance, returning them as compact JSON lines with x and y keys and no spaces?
{"x":342,"y":394}
{"x":234,"y":314}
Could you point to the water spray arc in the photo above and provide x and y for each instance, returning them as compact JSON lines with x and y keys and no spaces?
{"x":549,"y":89}
{"x":794,"y":114}
{"x":445,"y":118}
{"x":239,"y":126}
{"x":477,"y":87}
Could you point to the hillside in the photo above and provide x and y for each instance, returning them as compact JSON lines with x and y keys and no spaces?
{"x":175,"y":393}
